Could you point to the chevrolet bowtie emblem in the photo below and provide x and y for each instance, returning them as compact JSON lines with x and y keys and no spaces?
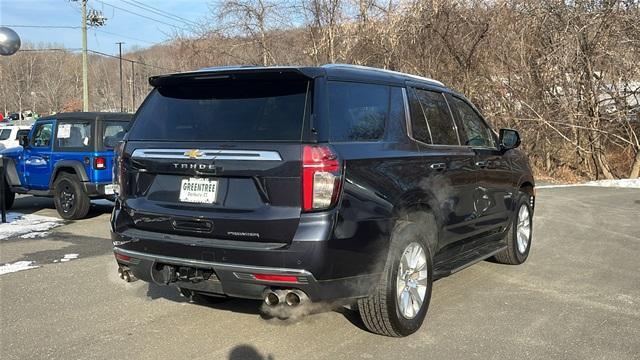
{"x":193,"y":154}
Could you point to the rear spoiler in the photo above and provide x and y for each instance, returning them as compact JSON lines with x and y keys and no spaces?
{"x":246,"y":73}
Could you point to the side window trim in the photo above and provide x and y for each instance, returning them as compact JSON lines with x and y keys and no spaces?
{"x":408,"y":117}
{"x":482,"y":119}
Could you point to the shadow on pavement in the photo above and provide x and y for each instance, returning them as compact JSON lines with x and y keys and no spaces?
{"x":252,"y":307}
{"x":247,"y":352}
{"x":27,"y":204}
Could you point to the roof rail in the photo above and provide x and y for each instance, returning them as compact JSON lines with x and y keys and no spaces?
{"x":384,"y":71}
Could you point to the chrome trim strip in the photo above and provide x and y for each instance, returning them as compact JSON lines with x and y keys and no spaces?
{"x":215,"y":265}
{"x":254,"y":155}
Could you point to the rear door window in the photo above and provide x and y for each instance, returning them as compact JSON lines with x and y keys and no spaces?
{"x":439,"y":120}
{"x":224,"y":110}
{"x":357,"y":111}
{"x":74,"y":135}
{"x":419,"y":128}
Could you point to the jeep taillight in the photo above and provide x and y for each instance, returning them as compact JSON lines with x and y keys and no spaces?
{"x":99,"y":163}
{"x":321,"y":176}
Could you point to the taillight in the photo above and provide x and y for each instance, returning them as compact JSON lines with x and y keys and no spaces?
{"x":321,"y":175}
{"x":99,"y":163}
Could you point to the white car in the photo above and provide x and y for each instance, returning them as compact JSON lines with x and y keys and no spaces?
{"x":10,"y":135}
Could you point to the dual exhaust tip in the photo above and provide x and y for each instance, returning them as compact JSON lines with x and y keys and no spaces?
{"x":288,"y":297}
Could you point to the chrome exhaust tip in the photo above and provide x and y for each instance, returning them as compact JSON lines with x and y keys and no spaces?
{"x":292,"y":299}
{"x":271,"y":298}
{"x":296,"y":297}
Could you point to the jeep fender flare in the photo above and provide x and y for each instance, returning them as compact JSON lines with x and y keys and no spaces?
{"x":11,"y":172}
{"x":77,"y":166}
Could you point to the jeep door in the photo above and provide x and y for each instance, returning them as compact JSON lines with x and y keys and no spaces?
{"x":448,"y":172}
{"x":494,"y":194}
{"x":37,"y":156}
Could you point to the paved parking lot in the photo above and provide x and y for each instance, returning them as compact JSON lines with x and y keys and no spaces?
{"x":578,"y":297}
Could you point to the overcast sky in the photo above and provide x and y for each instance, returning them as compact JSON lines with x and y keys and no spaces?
{"x":143,"y":29}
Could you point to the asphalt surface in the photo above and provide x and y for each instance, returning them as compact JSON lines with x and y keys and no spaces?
{"x":577,"y":297}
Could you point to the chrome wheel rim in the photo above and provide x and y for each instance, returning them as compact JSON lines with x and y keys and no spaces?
{"x":523,"y":230}
{"x":411,"y":283}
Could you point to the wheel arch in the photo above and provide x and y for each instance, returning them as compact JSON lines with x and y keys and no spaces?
{"x":71,"y":167}
{"x":413,"y":205}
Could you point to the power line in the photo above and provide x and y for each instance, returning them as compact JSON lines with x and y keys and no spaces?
{"x":143,"y":16}
{"x":44,"y":26}
{"x":157,"y":11}
{"x":125,"y":36}
{"x":99,"y":53}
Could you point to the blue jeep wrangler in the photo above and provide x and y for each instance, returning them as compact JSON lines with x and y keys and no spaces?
{"x":67,"y":156}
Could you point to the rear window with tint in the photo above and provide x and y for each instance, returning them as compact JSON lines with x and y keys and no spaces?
{"x":357,"y":112}
{"x":4,"y":134}
{"x":223,"y":110}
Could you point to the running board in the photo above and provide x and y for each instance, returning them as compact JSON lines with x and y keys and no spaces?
{"x":451,"y":266}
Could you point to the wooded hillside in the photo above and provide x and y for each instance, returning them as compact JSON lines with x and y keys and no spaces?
{"x":566,"y":74}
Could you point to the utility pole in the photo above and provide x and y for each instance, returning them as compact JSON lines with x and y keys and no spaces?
{"x":121,"y":94}
{"x":133,"y":88}
{"x":85,"y":70}
{"x":94,"y":18}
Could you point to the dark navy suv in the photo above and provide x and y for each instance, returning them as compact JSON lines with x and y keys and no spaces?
{"x":315,"y":184}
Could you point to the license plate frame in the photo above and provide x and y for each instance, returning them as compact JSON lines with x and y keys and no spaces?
{"x":196,"y":190}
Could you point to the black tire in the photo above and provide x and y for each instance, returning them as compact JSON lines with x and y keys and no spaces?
{"x":9,"y":197}
{"x":69,"y":197}
{"x":512,"y":254}
{"x":201,"y":298}
{"x":380,"y":311}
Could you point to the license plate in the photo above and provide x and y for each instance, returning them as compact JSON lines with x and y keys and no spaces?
{"x":109,"y":189}
{"x":199,"y":190}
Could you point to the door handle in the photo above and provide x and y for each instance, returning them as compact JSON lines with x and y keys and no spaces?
{"x":482,"y":164}
{"x":438,"y":166}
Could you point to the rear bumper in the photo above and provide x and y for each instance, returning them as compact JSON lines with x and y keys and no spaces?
{"x":97,"y":189}
{"x":237,"y":280}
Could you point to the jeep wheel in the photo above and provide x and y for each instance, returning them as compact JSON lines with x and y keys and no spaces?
{"x":397,"y":307}
{"x":519,"y":235}
{"x":9,"y":197}
{"x":69,"y":198}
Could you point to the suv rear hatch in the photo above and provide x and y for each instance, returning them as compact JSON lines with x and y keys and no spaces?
{"x":218,"y":156}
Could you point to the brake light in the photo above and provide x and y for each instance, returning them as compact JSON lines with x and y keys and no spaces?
{"x":123,"y":257}
{"x":277,"y":278}
{"x":320,"y":178}
{"x":99,"y":163}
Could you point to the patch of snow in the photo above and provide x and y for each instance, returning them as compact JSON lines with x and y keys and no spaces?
{"x":35,"y":234}
{"x":17,"y":266}
{"x":626,"y":183}
{"x":622,"y":183}
{"x":69,"y":257}
{"x":25,"y":225}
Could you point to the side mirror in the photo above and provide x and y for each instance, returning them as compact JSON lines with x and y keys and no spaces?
{"x":24,"y":140}
{"x":509,"y":139}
